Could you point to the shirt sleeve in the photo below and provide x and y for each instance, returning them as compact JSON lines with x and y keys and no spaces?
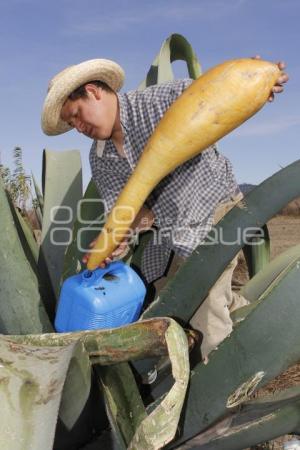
{"x":157,"y":99}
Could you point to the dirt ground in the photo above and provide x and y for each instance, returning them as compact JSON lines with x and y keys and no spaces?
{"x":284,"y":233}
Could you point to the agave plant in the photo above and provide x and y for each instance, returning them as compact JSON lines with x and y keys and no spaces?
{"x":53,"y":385}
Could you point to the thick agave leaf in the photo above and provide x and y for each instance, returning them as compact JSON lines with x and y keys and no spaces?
{"x":124,"y":405}
{"x":87,"y":226}
{"x":260,"y":283}
{"x":28,"y":236}
{"x":32,"y":379}
{"x":159,"y":428}
{"x":76,"y":388}
{"x":258,"y":252}
{"x":62,"y":186}
{"x":246,"y":358}
{"x":21,"y":308}
{"x":174,"y":48}
{"x":34,"y":368}
{"x":134,"y":428}
{"x":256,"y":288}
{"x":29,"y":244}
{"x":258,"y":421}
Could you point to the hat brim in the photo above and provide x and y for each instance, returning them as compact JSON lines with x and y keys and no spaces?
{"x":64,"y":83}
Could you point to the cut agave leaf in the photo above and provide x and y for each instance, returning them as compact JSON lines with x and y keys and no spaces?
{"x":246,"y":358}
{"x":27,"y":235}
{"x":40,"y":364}
{"x":87,"y":226}
{"x":62,"y":185}
{"x":257,"y":421}
{"x":21,"y":306}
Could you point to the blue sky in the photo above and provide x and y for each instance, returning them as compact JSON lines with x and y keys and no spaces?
{"x":38,"y":39}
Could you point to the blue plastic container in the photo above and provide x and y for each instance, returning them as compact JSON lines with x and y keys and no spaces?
{"x":102,"y":298}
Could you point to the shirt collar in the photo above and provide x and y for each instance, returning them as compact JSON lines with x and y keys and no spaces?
{"x":123,"y":113}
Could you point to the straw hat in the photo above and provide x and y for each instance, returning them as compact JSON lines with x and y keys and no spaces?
{"x":71,"y":78}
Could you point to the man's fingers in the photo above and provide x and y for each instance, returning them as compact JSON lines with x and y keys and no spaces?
{"x":117,"y":252}
{"x":91,"y":244}
{"x":85,"y":258}
{"x":281,"y":65}
{"x":107,"y":260}
{"x":277,"y":89}
{"x":283,"y":78}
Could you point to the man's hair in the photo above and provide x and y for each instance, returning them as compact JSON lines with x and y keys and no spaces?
{"x":81,"y":91}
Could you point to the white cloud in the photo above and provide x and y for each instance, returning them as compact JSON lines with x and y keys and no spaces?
{"x":268,"y":127}
{"x":123,"y":20}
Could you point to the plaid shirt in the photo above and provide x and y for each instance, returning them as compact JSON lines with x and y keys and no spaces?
{"x":184,"y":201}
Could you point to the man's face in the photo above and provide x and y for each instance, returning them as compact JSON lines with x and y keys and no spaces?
{"x":94,"y":115}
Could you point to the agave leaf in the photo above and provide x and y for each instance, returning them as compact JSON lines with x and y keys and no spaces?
{"x":76,"y":388}
{"x":62,"y":186}
{"x":27,"y":235}
{"x":124,"y":405}
{"x":87,"y":226}
{"x":160,"y":426}
{"x":173,"y":48}
{"x":246,"y":358}
{"x":38,"y":194}
{"x":255,"y":288}
{"x":257,"y":253}
{"x":34,"y":368}
{"x":133,"y":427}
{"x":257,"y":421}
{"x":21,"y":307}
{"x":32,"y":379}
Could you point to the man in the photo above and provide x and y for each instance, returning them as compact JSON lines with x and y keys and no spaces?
{"x":184,"y":205}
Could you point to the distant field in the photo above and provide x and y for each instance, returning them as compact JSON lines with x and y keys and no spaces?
{"x":284,"y":232}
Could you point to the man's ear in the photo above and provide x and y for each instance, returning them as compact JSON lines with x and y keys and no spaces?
{"x":93,"y":90}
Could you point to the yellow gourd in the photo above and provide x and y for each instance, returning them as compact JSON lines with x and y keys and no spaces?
{"x":213,"y":105}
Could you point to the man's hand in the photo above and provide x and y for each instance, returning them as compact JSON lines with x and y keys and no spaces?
{"x":120,"y":251}
{"x":278,"y":87}
{"x":143,"y":221}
